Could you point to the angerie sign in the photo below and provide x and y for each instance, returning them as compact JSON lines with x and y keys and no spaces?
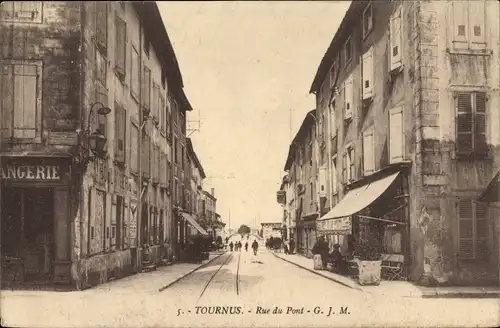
{"x":30,"y":172}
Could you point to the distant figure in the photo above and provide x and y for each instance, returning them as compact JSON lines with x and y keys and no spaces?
{"x":255,"y":246}
{"x":239,"y":246}
{"x":321,"y":248}
{"x":246,"y":246}
{"x":292,"y":245}
{"x":231,"y":245}
{"x":285,"y":247}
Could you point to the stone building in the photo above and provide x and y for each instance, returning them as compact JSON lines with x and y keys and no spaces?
{"x":301,"y":166}
{"x":87,"y":90}
{"x":409,"y":135}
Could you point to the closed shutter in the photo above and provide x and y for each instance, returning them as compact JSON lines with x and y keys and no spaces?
{"x":6,"y":100}
{"x":25,"y":100}
{"x":395,"y":40}
{"x":396,"y":135}
{"x":368,"y":74}
{"x":481,"y":231}
{"x":368,"y":152}
{"x":120,"y":133}
{"x":480,"y":144}
{"x":466,"y":229}
{"x":477,"y":16}
{"x":464,"y":123}
{"x":121,"y":45}
{"x":146,"y":88}
{"x":101,"y":23}
{"x":349,"y":97}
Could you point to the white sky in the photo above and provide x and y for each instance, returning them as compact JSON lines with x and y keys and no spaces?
{"x":244,"y":66}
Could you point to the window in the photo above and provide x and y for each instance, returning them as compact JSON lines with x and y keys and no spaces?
{"x":334,"y":71}
{"x":134,"y":144}
{"x":311,"y":191}
{"x":169,"y":118}
{"x":21,"y":11}
{"x":20,"y":100}
{"x":101,"y":24}
{"x":101,"y":67}
{"x":348,"y":98}
{"x":120,"y":132}
{"x":473,"y":229}
{"x":367,"y":20}
{"x":350,"y":160}
{"x":101,"y":95}
{"x":335,"y":188}
{"x":146,"y":88}
{"x":323,"y":180}
{"x":367,"y":61}
{"x":147,"y":44}
{"x":395,"y":33}
{"x":155,"y":102}
{"x":163,"y":169}
{"x":162,"y":112}
{"x":368,"y":152}
{"x":348,"y":51}
{"x":120,"y":47}
{"x":471,"y":124}
{"x":146,"y":156}
{"x":134,"y":76}
{"x":396,"y":135}
{"x":468,"y":24}
{"x":333,"y":121}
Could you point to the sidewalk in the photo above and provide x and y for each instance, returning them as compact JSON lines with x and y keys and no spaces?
{"x":394,"y":288}
{"x":154,"y":281}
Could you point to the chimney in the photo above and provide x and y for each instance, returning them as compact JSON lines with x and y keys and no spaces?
{"x":212,"y":191}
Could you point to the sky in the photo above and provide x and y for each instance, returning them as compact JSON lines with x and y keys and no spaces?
{"x":247,"y":69}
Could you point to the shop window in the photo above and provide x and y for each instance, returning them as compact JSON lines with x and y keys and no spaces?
{"x":395,"y":36}
{"x":471,"y":124}
{"x":21,"y":11}
{"x":367,"y":20}
{"x":396,"y":135}
{"x":467,"y":22}
{"x":473,"y":229}
{"x":20,"y":100}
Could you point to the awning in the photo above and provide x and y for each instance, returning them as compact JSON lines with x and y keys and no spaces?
{"x":192,"y":221}
{"x":359,"y":198}
{"x":492,"y":191}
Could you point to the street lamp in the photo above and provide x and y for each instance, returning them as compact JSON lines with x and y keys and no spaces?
{"x":95,"y":141}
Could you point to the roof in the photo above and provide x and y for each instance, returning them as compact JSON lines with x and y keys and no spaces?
{"x":194,"y":157}
{"x":308,"y":121}
{"x":351,"y":18}
{"x":155,"y":29}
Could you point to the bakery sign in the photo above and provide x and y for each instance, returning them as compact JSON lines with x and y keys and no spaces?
{"x":30,"y":172}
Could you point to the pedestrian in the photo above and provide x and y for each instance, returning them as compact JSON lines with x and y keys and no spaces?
{"x":239,"y":246}
{"x":321,"y":248}
{"x":246,"y":246}
{"x":285,"y":248}
{"x":255,"y":246}
{"x":231,"y":245}
{"x":292,"y":245}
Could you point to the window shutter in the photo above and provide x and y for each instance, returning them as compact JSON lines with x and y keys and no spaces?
{"x":6,"y":99}
{"x":344,"y":167}
{"x":464,"y":123}
{"x":101,"y":23}
{"x":466,"y":229}
{"x":351,"y":160}
{"x":136,"y":69}
{"x":477,"y":15}
{"x":134,"y":143}
{"x":146,"y":85}
{"x":480,"y":144}
{"x":120,"y":46}
{"x":25,"y":100}
{"x":368,"y":152}
{"x":334,"y":175}
{"x":120,"y":133}
{"x":460,"y":21}
{"x":368,"y":74}
{"x":349,"y":97}
{"x":395,"y":40}
{"x":481,"y":232}
{"x":396,"y":135}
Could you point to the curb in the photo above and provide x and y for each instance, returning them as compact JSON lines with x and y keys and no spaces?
{"x":319,"y":274}
{"x":462,"y":295}
{"x":190,"y":272}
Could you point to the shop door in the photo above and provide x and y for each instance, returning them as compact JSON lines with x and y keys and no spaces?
{"x":11,"y":224}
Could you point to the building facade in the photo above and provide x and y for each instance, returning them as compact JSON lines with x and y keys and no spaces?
{"x":271,"y":229}
{"x":88,"y":94}
{"x":407,"y":108}
{"x":301,"y":166}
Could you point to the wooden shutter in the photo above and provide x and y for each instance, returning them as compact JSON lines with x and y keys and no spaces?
{"x":368,"y":152}
{"x":334,"y":175}
{"x":481,"y":230}
{"x":121,"y":44}
{"x":367,"y":60}
{"x":395,"y":40}
{"x":480,"y":144}
{"x":464,"y":143}
{"x":136,"y":69}
{"x":344,"y":168}
{"x":466,"y":228}
{"x":146,"y":87}
{"x":120,"y":133}
{"x":23,"y":89}
{"x":477,"y":16}
{"x":349,"y":97}
{"x":6,"y":99}
{"x":396,"y":135}
{"x":101,"y":24}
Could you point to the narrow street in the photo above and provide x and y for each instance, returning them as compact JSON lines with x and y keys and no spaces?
{"x":245,"y":287}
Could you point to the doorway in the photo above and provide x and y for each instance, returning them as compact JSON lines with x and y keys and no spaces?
{"x":28,"y":230}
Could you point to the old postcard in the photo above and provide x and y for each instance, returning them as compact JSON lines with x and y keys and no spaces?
{"x":250,"y":163}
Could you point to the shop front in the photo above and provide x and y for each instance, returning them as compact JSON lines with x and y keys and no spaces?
{"x":370,"y":224}
{"x":35,"y":208}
